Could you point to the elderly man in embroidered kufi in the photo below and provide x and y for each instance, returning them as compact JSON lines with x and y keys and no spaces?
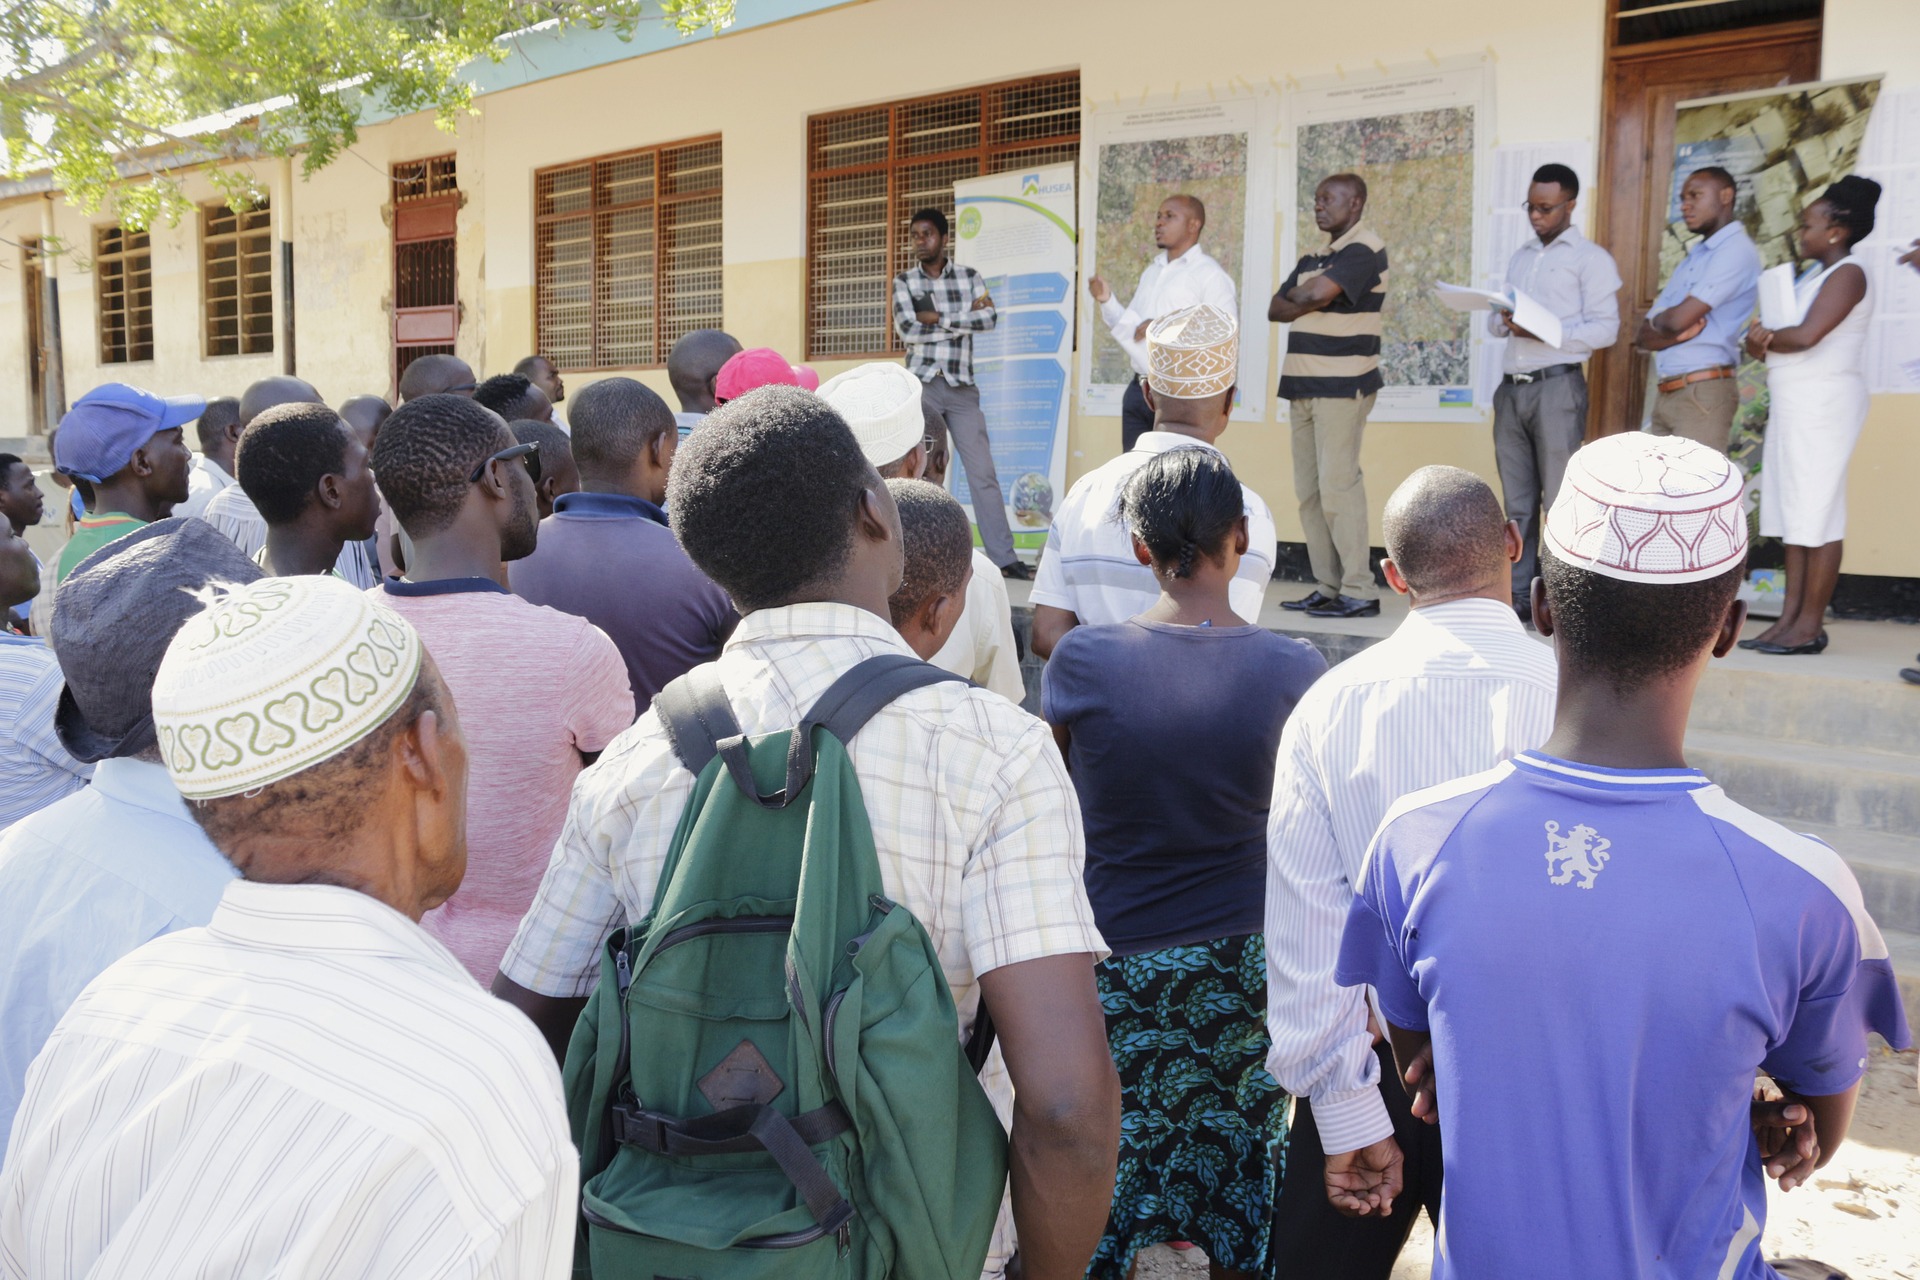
{"x":312,"y":1050}
{"x":1598,"y":921}
{"x":1088,"y":572}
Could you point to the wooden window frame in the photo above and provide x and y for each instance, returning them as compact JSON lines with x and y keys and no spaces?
{"x":1618,"y":17}
{"x":663,"y":203}
{"x":992,"y":156}
{"x":255,"y":223}
{"x":130,"y":259}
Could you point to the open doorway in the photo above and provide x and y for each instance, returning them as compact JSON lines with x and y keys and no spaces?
{"x":1660,"y":54}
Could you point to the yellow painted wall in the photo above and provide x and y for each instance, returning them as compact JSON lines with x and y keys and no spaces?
{"x":756,"y":89}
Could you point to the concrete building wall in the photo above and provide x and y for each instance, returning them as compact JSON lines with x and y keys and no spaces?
{"x":757,"y":87}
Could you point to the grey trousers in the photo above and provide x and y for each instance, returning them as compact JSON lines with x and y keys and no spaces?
{"x":1536,"y":428}
{"x":955,"y":413}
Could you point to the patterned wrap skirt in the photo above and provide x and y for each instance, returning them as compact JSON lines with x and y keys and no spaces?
{"x":1203,"y":1127}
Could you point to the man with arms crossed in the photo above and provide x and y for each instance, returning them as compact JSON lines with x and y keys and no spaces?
{"x":1694,"y":330}
{"x":973,"y":818}
{"x":938,"y":306}
{"x":1604,"y":947}
{"x":1457,"y":688}
{"x":1179,"y":276}
{"x":1540,"y":410}
{"x":1331,"y":305}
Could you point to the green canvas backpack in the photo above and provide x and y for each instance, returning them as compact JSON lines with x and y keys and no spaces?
{"x":768,"y":1080}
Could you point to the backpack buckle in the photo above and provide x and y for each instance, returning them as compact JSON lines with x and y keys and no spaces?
{"x":634,"y":1127}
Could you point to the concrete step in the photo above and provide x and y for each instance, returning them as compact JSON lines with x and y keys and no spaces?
{"x":1887,"y":867}
{"x":1847,"y":787}
{"x":1800,"y":705}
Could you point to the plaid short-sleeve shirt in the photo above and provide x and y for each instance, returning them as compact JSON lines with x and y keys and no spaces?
{"x":976,"y":825}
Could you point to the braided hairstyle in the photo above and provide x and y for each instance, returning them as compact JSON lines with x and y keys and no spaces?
{"x":1183,"y":504}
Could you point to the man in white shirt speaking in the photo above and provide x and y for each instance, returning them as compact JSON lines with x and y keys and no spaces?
{"x":1459,"y":687}
{"x":310,"y":1085}
{"x":1181,"y":275}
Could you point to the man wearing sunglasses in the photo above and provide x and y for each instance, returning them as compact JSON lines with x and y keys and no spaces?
{"x":540,"y":692}
{"x":1540,"y":408}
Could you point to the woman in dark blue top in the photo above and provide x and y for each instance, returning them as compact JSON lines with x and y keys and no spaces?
{"x":1170,"y":723}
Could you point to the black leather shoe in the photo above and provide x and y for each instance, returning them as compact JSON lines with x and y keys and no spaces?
{"x":1910,"y":675}
{"x":1346,"y":607}
{"x":1750,"y":643}
{"x":1018,"y":571}
{"x":1318,"y":600}
{"x":1816,"y":645}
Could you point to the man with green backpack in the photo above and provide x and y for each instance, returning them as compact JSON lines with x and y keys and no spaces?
{"x":818,"y":881}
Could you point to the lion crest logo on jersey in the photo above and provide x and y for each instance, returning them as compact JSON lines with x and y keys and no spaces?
{"x":1581,"y":852}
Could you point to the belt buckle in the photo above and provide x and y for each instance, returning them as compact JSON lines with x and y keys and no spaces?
{"x":1524,"y":377}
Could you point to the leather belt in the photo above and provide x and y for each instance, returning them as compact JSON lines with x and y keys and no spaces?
{"x":1540,"y":375}
{"x":1710,"y":374}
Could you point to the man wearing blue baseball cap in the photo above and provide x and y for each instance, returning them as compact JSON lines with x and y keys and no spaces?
{"x":125,"y":448}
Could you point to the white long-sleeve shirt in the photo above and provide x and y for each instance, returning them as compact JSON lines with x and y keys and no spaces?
{"x":308,"y":1086}
{"x":1459,"y":687}
{"x":1576,"y":280}
{"x":1166,"y":287}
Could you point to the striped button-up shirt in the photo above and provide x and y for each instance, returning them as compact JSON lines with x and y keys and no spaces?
{"x":1459,"y":687}
{"x":1576,"y":280}
{"x":308,"y":1086}
{"x":1089,"y":568}
{"x":1334,"y":353}
{"x":943,"y":350}
{"x":35,"y":769}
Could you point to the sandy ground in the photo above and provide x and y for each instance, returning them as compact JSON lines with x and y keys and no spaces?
{"x":1860,"y":1214}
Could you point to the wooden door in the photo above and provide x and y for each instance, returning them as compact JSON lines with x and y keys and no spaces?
{"x":1644,"y":84}
{"x":36,"y":284}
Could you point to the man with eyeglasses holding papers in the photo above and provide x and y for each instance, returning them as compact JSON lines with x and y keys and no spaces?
{"x":1540,"y":408}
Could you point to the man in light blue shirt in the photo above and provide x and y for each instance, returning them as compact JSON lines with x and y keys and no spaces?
{"x":1694,"y":329}
{"x":1540,"y":410}
{"x":94,"y":875}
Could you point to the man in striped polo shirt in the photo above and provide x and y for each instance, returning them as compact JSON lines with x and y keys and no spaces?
{"x":1330,"y":378}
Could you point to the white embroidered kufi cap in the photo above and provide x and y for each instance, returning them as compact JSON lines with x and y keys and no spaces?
{"x":1645,"y":508}
{"x":276,"y":677}
{"x":1193,"y":353}
{"x":881,"y":402}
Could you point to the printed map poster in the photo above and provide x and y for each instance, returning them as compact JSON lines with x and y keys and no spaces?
{"x":1782,"y":146}
{"x":1143,"y":154}
{"x":1417,"y":138}
{"x":1017,"y":230}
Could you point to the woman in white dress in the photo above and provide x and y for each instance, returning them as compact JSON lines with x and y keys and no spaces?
{"x":1817,"y":390}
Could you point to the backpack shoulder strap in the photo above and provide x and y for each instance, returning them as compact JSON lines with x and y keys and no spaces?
{"x":856,"y":697}
{"x":697,"y":716}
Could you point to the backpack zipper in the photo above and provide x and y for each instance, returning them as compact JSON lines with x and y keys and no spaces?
{"x":785,"y":1240}
{"x":729,"y":924}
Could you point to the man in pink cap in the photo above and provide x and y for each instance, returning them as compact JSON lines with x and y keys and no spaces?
{"x":751,"y":369}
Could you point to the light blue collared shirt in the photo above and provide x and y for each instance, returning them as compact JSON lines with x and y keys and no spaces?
{"x":1722,"y":271}
{"x":83,"y":882}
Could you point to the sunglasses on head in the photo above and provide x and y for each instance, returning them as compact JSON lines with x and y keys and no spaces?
{"x":526,"y":451}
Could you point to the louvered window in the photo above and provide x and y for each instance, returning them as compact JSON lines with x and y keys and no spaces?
{"x":236,"y":273}
{"x":870,"y":169}
{"x":123,"y":294}
{"x":627,"y":255}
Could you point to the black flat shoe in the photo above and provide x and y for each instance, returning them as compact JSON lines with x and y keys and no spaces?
{"x":1816,"y":645}
{"x":1017,"y":571}
{"x":1346,"y":607}
{"x":1318,"y":600}
{"x":1910,"y":675}
{"x":1751,"y":643}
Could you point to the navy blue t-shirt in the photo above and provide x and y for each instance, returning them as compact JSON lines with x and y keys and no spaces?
{"x":1174,"y":732}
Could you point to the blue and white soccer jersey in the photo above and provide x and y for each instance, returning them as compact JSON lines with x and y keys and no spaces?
{"x":1603,"y":958}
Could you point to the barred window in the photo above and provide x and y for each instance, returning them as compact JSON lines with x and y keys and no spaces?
{"x":123,"y":294}
{"x":869,"y":169}
{"x":627,"y":254}
{"x":236,"y":274}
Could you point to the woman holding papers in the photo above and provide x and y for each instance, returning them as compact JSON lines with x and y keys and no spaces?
{"x":1818,"y":402}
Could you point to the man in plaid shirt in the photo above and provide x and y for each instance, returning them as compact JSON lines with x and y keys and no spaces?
{"x":937,"y":308}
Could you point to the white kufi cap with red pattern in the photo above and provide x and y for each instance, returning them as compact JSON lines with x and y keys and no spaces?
{"x":1645,"y":508}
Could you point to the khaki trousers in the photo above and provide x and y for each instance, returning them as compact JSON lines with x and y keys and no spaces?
{"x":1700,"y":411}
{"x":1332,"y":493}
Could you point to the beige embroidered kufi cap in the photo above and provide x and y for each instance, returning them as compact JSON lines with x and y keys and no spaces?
{"x":1645,"y":508}
{"x":274,"y":678}
{"x":1193,"y":353}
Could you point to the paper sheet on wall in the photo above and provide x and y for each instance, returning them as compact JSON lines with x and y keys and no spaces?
{"x":1890,"y":155}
